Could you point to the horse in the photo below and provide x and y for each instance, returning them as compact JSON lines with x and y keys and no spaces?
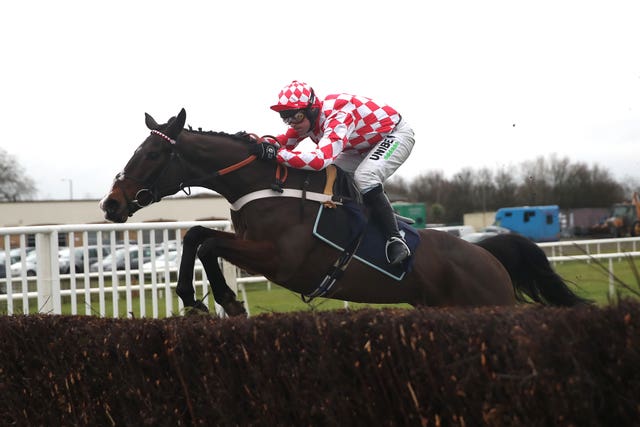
{"x":272,"y":228}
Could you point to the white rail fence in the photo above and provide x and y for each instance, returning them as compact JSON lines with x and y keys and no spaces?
{"x":618,"y":248}
{"x":131,"y":290}
{"x":106,"y":290}
{"x":598,"y":250}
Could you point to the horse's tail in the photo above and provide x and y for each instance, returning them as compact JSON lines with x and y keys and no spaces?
{"x":530,"y":270}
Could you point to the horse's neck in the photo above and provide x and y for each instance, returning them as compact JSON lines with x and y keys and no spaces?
{"x":208,"y":154}
{"x":205,"y":155}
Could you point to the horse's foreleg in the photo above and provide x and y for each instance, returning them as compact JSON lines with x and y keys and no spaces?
{"x":192,"y":240}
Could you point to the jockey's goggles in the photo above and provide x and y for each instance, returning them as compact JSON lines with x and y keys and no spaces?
{"x":292,"y":117}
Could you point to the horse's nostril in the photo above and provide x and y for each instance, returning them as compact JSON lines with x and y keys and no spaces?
{"x":110,"y":205}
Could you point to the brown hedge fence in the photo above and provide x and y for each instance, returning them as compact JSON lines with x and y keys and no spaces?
{"x":460,"y":367}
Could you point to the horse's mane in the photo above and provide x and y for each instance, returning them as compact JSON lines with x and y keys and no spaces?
{"x":238,"y":136}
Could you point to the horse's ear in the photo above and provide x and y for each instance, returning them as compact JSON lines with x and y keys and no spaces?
{"x":176,"y":125}
{"x":150,"y":122}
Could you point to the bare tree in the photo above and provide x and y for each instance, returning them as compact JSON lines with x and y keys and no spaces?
{"x":14,"y":183}
{"x":630,"y":184}
{"x":536,"y":188}
{"x":431,"y":186}
{"x":397,"y":188}
{"x":460,"y":198}
{"x":506,"y":188}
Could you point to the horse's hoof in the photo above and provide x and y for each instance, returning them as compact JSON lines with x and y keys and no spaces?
{"x":197,"y":308}
{"x":234,"y":308}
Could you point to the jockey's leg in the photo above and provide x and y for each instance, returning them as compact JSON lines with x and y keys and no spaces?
{"x":378,"y":165}
{"x":396,"y":248}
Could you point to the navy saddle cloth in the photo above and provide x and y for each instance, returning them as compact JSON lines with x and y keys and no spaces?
{"x":339,"y":227}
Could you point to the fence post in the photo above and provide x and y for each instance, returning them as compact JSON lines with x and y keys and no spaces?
{"x":229,"y":273}
{"x":612,"y":289}
{"x":48,"y":278}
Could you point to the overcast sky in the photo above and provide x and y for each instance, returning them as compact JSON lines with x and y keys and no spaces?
{"x":76,"y":77}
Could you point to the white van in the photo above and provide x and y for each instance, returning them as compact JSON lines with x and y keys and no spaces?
{"x":456,"y":230}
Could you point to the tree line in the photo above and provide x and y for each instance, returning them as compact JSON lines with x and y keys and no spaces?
{"x":543,"y":181}
{"x":14,"y":183}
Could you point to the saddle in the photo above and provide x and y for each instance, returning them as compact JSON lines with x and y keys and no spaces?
{"x":341,"y":228}
{"x":341,"y":184}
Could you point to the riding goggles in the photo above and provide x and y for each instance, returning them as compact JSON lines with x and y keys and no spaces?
{"x":292,"y":117}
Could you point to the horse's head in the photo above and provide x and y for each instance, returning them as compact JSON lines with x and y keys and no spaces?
{"x":147,"y":176}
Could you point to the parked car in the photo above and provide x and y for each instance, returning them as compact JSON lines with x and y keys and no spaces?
{"x":30,"y":265}
{"x":455,"y":230}
{"x":118,"y":258}
{"x":6,"y":260}
{"x":163,"y":260}
{"x":170,"y":259}
{"x":13,"y":256}
{"x":484,"y":233}
{"x":64,"y":257}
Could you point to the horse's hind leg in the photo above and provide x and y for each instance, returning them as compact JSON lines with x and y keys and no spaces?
{"x":209,"y":245}
{"x":256,"y":256}
{"x":193,"y":240}
{"x":222,"y":293}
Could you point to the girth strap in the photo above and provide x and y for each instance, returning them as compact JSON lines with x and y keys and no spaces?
{"x":335,"y":271}
{"x":286,"y":192}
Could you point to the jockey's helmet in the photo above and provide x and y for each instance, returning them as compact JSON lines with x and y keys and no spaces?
{"x":296,"y":96}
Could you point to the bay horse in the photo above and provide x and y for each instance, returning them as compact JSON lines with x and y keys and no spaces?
{"x":273,"y":235}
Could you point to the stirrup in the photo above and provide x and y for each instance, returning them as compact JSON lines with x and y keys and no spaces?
{"x":405,"y":252}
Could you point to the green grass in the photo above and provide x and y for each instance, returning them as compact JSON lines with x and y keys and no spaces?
{"x":279,"y":299}
{"x":591,"y":280}
{"x":587,"y":280}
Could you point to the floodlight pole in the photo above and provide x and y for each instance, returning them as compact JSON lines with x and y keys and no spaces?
{"x":70,"y":187}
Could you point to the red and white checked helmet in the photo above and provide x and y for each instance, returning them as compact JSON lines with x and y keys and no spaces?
{"x":296,"y":96}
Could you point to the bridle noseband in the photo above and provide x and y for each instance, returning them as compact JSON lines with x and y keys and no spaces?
{"x":151,"y":193}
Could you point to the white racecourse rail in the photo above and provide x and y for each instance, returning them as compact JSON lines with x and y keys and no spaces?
{"x":76,"y":289}
{"x":79,"y":292}
{"x":594,"y":249}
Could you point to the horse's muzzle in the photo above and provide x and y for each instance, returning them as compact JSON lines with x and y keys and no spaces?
{"x":113,"y":210}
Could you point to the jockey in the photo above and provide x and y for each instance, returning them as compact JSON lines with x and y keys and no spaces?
{"x":365,"y":138}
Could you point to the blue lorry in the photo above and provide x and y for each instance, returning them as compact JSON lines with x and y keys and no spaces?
{"x":538,"y":223}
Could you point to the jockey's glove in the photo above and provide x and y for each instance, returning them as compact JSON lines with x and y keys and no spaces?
{"x":264,"y":151}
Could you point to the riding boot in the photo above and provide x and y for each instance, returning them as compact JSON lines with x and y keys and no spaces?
{"x":396,"y":249}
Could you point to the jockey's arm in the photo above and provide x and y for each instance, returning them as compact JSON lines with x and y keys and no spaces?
{"x":318,"y":156}
{"x":289,"y":139}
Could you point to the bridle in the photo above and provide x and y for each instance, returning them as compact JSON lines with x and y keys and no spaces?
{"x":151,"y":193}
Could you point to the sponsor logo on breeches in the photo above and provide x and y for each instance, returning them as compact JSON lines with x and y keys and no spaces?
{"x":385,"y":149}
